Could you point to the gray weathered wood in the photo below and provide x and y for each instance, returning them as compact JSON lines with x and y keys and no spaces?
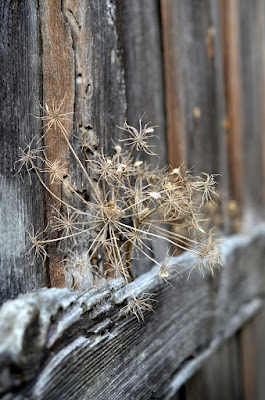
{"x":233,"y":124}
{"x":81,"y":63}
{"x":219,"y":378}
{"x":252,"y":88}
{"x":143,"y":63}
{"x":190,"y":367}
{"x":193,"y":58}
{"x":143,"y":66}
{"x":95,"y":54}
{"x":78,"y":341}
{"x":251,"y":339}
{"x":21,"y":204}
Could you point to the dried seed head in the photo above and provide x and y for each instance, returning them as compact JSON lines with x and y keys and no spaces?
{"x":137,"y":306}
{"x":56,"y":169}
{"x":155,"y":195}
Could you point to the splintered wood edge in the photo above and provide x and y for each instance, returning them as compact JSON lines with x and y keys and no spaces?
{"x":57,"y":342}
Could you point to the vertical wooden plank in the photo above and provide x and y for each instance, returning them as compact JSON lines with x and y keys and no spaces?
{"x":252,"y":350}
{"x":233,"y":94}
{"x":58,"y":84}
{"x":219,"y":378}
{"x":143,"y":65}
{"x":251,"y":59}
{"x":20,"y":202}
{"x":82,"y":65}
{"x":173,"y":70}
{"x":100,"y":101}
{"x":142,"y":52}
{"x":198,"y":81}
{"x":261,"y":36}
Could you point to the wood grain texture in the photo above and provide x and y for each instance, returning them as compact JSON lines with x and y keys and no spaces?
{"x":193,"y":57}
{"x":220,"y":377}
{"x":261,"y":34}
{"x":79,"y":340}
{"x":142,"y":54}
{"x":252,"y":71}
{"x":20,"y":91}
{"x":58,"y":85}
{"x":82,"y":65}
{"x":174,"y":95}
{"x":253,"y":357}
{"x":232,"y":76}
{"x":143,"y":66}
{"x":100,"y":101}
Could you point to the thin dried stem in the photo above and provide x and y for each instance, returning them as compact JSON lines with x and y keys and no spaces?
{"x":133,"y":205}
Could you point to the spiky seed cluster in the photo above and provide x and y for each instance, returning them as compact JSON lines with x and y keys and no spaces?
{"x":130,"y":205}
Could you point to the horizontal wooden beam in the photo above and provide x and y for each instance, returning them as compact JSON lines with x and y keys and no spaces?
{"x":57,"y":343}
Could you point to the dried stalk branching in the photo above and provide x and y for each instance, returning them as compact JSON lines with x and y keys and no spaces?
{"x":131,"y":204}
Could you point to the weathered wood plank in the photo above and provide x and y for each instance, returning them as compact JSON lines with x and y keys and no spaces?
{"x":82,"y":64}
{"x":201,"y":80}
{"x":261,"y":34}
{"x":142,"y":53}
{"x":233,"y":94}
{"x":143,"y":67}
{"x":84,"y":339}
{"x":193,"y":60}
{"x":253,"y":357}
{"x":219,"y":378}
{"x":252,"y":87}
{"x":100,"y":101}
{"x":174,"y":95}
{"x":191,"y":366}
{"x":20,"y":75}
{"x":58,"y":84}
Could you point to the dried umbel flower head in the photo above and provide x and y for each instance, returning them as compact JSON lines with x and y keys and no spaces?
{"x":29,"y":157}
{"x":131,"y":206}
{"x":38,"y":242}
{"x":137,"y":306}
{"x":139,"y":138}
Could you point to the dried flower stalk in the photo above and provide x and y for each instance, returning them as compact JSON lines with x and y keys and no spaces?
{"x":131,"y":204}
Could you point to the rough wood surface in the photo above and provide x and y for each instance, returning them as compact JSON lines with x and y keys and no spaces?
{"x":21,"y":204}
{"x":95,"y":54}
{"x":58,"y":85}
{"x":82,"y":64}
{"x":194,"y":90}
{"x":63,"y":344}
{"x":143,"y":66}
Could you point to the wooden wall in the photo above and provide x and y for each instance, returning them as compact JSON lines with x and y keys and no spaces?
{"x":196,"y":68}
{"x":193,"y":67}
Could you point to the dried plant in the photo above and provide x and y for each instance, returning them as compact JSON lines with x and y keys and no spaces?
{"x":131,"y":204}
